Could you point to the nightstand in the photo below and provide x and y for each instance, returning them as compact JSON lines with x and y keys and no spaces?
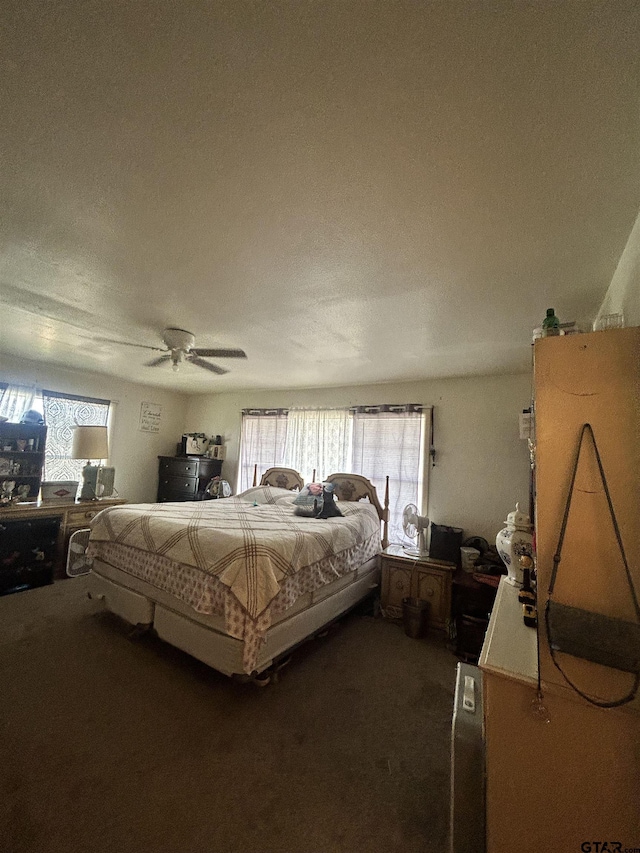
{"x":417,"y":577}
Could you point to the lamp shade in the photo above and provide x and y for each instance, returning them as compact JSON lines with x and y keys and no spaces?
{"x":90,"y":442}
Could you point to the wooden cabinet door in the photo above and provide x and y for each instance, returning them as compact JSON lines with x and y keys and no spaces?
{"x":396,"y":585}
{"x":432,"y":586}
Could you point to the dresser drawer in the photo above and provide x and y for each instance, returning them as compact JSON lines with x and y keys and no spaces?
{"x":178,"y":468}
{"x":79,"y":518}
{"x":177,"y":489}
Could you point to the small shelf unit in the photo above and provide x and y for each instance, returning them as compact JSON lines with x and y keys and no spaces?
{"x":22,"y":448}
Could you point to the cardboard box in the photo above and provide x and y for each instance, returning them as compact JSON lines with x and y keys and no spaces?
{"x":59,"y":490}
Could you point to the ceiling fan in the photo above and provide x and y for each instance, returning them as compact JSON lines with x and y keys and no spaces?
{"x":179,"y":346}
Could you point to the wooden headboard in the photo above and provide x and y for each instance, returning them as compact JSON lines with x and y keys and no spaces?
{"x":280,"y":478}
{"x":354,"y":487}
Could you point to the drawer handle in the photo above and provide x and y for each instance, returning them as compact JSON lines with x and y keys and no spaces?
{"x":399,"y":584}
{"x":429,"y":593}
{"x":90,"y":514}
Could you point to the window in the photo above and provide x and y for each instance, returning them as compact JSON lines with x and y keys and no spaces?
{"x":262,"y":445}
{"x":15,"y":400}
{"x":375,"y":441}
{"x":61,"y":413}
{"x":389,"y":441}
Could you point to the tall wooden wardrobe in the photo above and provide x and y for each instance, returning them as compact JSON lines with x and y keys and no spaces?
{"x":570,"y":777}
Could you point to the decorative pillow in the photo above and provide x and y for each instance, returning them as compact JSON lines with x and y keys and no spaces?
{"x":309,"y":500}
{"x":317,"y":501}
{"x":263,"y":495}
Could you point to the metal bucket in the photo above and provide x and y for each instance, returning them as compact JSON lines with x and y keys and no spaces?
{"x":415,"y":616}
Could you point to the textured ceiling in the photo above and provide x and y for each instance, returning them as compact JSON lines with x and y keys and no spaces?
{"x":351,"y":192}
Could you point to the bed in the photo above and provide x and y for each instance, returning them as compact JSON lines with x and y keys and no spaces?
{"x":239,"y":582}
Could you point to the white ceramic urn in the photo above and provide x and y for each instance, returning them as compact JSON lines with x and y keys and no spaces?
{"x":514,"y":541}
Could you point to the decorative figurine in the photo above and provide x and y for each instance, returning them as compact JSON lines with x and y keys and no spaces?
{"x":6,"y":491}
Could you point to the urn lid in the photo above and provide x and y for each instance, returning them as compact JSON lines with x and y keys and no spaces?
{"x":518,"y":520}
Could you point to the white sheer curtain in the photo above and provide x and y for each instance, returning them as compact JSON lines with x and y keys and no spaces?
{"x":15,"y":400}
{"x":262,"y":444}
{"x":392,"y":441}
{"x":318,"y":440}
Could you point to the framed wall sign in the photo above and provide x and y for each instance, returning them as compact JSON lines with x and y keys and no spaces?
{"x":150,"y":415}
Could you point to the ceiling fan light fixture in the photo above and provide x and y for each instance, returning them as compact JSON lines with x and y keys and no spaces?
{"x":180,"y":347}
{"x":176,"y":358}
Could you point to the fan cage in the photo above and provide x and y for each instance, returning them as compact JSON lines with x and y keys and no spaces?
{"x":78,"y":562}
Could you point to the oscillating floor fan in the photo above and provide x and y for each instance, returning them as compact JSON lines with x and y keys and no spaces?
{"x":78,"y":561}
{"x":414,"y":525}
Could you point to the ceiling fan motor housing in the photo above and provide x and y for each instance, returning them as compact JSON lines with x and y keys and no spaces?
{"x":179,"y":339}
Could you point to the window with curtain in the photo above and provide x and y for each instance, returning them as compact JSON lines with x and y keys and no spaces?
{"x":389,"y":441}
{"x":15,"y":400}
{"x":375,"y":441}
{"x":61,"y":413}
{"x":264,"y":433}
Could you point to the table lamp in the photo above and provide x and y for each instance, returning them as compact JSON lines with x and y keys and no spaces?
{"x":90,"y":442}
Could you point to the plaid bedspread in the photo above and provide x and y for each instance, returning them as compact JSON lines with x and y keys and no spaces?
{"x":231,"y":557}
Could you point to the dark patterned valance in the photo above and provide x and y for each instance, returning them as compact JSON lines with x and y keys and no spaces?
{"x":262,"y":413}
{"x":393,"y":409}
{"x":386,"y":408}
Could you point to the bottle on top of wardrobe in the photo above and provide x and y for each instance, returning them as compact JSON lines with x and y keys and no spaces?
{"x":550,"y":324}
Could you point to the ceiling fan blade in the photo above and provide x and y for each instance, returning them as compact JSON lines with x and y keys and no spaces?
{"x":214,"y":368}
{"x":127,"y":344}
{"x":219,"y":353}
{"x":156,"y":361}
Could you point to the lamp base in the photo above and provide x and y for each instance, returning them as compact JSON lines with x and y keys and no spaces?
{"x":97,"y":482}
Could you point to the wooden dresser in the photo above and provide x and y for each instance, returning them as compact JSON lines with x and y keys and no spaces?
{"x":183,"y":478}
{"x":418,"y":577}
{"x":65,"y":518}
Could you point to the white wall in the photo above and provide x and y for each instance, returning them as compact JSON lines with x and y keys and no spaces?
{"x":623,"y":295}
{"x":482,"y":466}
{"x":133,"y":453}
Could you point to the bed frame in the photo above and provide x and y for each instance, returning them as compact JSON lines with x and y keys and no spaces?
{"x":203,"y":637}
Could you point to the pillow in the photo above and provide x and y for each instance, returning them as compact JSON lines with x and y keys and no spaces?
{"x":264,"y":495}
{"x":311,"y":490}
{"x":309,"y":500}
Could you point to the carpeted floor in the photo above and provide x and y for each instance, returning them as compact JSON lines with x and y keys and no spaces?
{"x":109,"y":744}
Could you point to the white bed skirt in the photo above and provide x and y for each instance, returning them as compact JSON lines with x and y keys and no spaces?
{"x":204,"y":637}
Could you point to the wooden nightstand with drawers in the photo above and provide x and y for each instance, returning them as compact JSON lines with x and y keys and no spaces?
{"x":405,"y":576}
